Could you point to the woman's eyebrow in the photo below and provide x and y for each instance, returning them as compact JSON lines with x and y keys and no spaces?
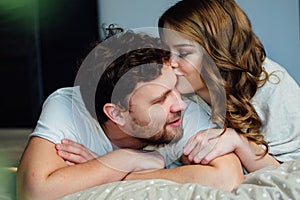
{"x":183,"y":45}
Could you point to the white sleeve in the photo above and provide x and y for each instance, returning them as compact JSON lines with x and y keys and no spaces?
{"x":56,"y":119}
{"x":278,"y":105}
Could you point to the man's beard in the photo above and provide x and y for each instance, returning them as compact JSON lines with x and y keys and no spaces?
{"x":164,"y":136}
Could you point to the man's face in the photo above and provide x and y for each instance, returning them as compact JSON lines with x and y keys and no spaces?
{"x":154,"y":113}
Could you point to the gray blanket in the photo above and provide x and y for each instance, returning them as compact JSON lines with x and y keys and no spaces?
{"x":280,"y":183}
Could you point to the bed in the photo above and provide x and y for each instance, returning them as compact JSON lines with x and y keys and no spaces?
{"x":282,"y":182}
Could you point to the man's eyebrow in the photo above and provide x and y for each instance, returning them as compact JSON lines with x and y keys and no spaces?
{"x":162,"y":96}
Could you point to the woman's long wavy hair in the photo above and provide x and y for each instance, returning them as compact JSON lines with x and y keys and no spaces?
{"x":225,"y":32}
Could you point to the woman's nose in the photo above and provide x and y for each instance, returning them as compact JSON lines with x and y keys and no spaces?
{"x":174,"y":60}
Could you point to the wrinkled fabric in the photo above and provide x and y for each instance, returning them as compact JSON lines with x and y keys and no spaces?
{"x":282,"y":182}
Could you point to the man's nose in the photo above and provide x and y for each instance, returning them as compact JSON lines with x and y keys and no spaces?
{"x":178,"y":104}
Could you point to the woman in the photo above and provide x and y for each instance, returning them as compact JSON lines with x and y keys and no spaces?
{"x":262,"y":107}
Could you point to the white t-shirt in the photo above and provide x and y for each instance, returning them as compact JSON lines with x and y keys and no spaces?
{"x":64,"y":115}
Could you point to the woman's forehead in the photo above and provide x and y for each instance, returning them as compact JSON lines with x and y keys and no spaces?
{"x":174,"y":38}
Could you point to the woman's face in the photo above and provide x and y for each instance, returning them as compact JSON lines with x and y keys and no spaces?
{"x":186,"y":59}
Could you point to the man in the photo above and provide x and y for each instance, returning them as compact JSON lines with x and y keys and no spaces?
{"x":136,"y":104}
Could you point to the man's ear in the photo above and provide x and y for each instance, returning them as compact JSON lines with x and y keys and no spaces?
{"x":114,"y":113}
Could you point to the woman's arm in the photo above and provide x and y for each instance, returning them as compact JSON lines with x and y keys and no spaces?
{"x":224,"y":172}
{"x":249,"y":154}
{"x":207,"y":145}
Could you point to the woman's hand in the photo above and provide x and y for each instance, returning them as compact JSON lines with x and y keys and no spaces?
{"x":209,"y":144}
{"x":73,"y":152}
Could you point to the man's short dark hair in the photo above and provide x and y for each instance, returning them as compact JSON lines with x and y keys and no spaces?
{"x":138,"y":56}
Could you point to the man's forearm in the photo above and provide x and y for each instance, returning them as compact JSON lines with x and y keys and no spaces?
{"x":66,"y":180}
{"x":224,"y":172}
{"x":42,"y":173}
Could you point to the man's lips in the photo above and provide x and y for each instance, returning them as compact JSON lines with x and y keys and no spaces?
{"x":176,"y":122}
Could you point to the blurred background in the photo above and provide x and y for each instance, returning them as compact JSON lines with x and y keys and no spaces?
{"x":42,"y":43}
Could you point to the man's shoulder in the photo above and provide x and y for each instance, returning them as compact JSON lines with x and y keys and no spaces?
{"x":61,"y":108}
{"x":64,"y":115}
{"x":67,"y":93}
{"x":64,"y":98}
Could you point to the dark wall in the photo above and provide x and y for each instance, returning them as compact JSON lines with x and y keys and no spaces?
{"x":67,"y":28}
{"x":42,"y":44}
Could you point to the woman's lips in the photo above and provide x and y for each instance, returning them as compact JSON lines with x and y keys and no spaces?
{"x":177,"y":72}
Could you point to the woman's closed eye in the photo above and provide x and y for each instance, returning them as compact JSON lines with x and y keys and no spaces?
{"x":183,"y":54}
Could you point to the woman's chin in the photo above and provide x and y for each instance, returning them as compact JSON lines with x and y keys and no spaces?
{"x":185,"y":90}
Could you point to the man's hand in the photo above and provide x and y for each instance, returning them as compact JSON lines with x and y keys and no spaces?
{"x":73,"y":152}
